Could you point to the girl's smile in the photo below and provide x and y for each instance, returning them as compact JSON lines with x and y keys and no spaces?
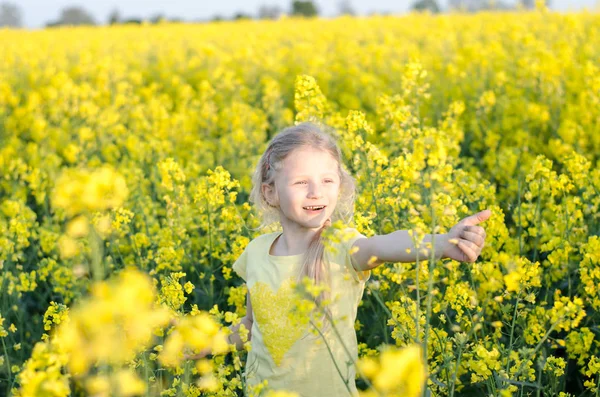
{"x":315,"y":208}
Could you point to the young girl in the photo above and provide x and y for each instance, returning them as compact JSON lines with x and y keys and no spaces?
{"x":300,"y":182}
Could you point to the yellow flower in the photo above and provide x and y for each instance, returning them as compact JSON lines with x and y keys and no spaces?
{"x":114,"y":324}
{"x":197,"y":332}
{"x":398,"y":371}
{"x":68,"y":247}
{"x":78,"y":190}
{"x":512,"y":281}
{"x":281,"y":393}
{"x":129,"y":384}
{"x":170,"y":172}
{"x":309,"y":102}
{"x":97,"y":385}
{"x":78,"y":227}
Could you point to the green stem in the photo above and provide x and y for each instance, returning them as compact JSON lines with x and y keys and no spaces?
{"x":417,"y":337}
{"x":539,"y":377}
{"x":341,"y":340}
{"x":538,"y":346}
{"x":455,"y":374}
{"x":538,"y":211}
{"x":345,"y":380}
{"x":566,"y":238}
{"x":146,"y":373}
{"x":337,"y":334}
{"x":519,"y":214}
{"x":375,"y":293}
{"x":210,"y":250}
{"x":97,"y":255}
{"x":7,"y":366}
{"x":186,"y":375}
{"x":372,"y":186}
{"x":512,"y":329}
{"x":429,"y":290}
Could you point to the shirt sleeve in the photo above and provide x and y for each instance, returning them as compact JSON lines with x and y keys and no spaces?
{"x":239,"y":266}
{"x":349,"y":236}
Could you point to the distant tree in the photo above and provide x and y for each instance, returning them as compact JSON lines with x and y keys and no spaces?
{"x":269,"y":12}
{"x":241,"y":15}
{"x":345,"y":8}
{"x":74,"y":16}
{"x":426,"y":5}
{"x":478,"y":5}
{"x":114,"y":17}
{"x":304,"y":8}
{"x":465,"y":5}
{"x":158,"y":18}
{"x":530,"y":4}
{"x":10,"y":15}
{"x":499,"y":5}
{"x":217,"y":18}
{"x":133,"y":20}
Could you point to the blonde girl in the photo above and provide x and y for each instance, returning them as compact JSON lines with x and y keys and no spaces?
{"x":300,"y":182}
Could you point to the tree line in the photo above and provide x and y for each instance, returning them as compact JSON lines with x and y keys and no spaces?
{"x":12,"y":16}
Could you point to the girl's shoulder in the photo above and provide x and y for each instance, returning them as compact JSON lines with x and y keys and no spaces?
{"x":255,"y":248}
{"x":262,"y":241}
{"x":339,"y":249}
{"x":344,"y":233}
{"x":342,"y":239}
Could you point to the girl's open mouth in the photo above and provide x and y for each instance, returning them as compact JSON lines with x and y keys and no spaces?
{"x":315,"y":208}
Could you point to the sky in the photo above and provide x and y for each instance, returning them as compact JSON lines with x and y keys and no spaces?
{"x":36,"y":13}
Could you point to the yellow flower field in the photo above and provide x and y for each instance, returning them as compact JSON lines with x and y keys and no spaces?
{"x":126,"y":156}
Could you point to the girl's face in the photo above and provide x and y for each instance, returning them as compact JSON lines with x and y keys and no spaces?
{"x":306,"y":189}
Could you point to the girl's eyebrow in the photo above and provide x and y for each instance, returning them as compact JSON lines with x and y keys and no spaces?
{"x":293,"y":176}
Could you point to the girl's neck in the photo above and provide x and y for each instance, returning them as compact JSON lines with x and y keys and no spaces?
{"x":294,"y":240}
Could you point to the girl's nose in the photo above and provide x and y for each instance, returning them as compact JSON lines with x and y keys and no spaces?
{"x":314,"y":191}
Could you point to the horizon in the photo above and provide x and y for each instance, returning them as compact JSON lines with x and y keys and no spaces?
{"x":36,"y":14}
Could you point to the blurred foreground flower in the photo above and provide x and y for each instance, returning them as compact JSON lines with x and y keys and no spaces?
{"x":78,"y":190}
{"x":397,"y":372}
{"x":114,"y":324}
{"x":106,"y":330}
{"x":196,"y":333}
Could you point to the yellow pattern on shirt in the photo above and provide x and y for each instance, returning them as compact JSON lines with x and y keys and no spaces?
{"x":273,"y":313}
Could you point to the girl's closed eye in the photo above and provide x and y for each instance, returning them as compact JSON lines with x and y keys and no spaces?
{"x":305,"y":182}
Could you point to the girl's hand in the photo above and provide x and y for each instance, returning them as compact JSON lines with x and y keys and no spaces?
{"x":203,"y":353}
{"x":466,"y":239}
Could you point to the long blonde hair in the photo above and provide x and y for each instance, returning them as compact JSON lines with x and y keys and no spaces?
{"x":306,"y":134}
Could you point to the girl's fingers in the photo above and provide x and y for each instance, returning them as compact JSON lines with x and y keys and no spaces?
{"x":476,"y":229}
{"x":198,"y":356}
{"x":469,"y":249}
{"x":473,"y":237}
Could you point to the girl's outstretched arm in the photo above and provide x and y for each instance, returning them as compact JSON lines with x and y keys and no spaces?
{"x":463,"y":242}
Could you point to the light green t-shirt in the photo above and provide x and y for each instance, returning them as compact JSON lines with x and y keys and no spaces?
{"x":287,"y":354}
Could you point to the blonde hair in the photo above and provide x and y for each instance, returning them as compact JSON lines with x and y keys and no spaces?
{"x":291,"y":138}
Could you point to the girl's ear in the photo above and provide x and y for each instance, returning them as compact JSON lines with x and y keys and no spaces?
{"x":270,"y":194}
